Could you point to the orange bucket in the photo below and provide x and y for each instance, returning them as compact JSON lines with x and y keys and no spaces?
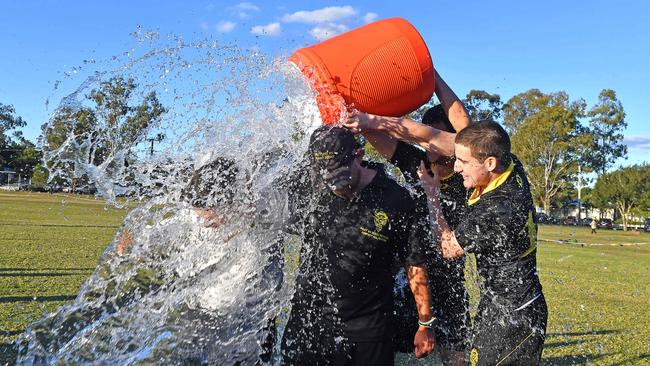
{"x":381,"y":68}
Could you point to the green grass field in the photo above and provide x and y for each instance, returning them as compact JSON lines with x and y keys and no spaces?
{"x":596,"y":286}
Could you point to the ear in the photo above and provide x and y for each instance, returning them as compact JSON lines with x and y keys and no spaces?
{"x":491,"y":164}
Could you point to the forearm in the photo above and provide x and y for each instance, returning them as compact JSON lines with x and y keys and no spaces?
{"x":382,"y":142}
{"x":448,"y":244}
{"x":454,"y":107}
{"x":419,"y":284}
{"x":404,"y":129}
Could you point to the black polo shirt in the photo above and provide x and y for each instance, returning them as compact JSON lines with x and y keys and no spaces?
{"x":453,"y":195}
{"x":346,"y":270}
{"x":501,"y":229}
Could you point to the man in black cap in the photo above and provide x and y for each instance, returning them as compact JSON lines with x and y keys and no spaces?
{"x":360,"y":221}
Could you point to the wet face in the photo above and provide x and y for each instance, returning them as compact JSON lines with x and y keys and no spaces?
{"x":474,"y":172}
{"x":355,"y":176}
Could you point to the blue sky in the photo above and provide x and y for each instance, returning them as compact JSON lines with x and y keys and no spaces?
{"x":503,"y":47}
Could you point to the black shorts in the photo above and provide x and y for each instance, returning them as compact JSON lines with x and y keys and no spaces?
{"x":513,"y":338}
{"x":311,"y":340}
{"x":449,"y":303}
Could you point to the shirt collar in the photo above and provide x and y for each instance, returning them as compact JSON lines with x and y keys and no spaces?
{"x":478,"y":192}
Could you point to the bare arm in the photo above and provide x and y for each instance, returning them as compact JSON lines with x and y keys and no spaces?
{"x":418,"y":282}
{"x":448,"y":244}
{"x":454,"y":108}
{"x":404,"y":129}
{"x":382,"y":142}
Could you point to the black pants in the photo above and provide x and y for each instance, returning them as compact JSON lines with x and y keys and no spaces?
{"x":509,"y":337}
{"x":309,"y":339}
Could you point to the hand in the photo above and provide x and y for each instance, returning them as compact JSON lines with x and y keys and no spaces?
{"x":210,"y":217}
{"x":124,"y":242}
{"x":425,"y":342}
{"x":430,"y":183}
{"x":358,"y":122}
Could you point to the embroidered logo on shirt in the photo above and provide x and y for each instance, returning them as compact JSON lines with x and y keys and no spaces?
{"x":381,"y":219}
{"x":473,"y":357}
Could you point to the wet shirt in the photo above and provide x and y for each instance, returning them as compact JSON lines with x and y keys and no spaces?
{"x":346,"y":270}
{"x":453,"y":195}
{"x":501,"y":229}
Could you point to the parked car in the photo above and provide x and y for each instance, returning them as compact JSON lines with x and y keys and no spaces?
{"x":585,"y":222}
{"x":646,"y":227}
{"x":571,"y":220}
{"x":606,"y":224}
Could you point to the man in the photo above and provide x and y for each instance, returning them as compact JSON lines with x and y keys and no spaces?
{"x":501,"y":229}
{"x":361,"y":219}
{"x":446,"y":277}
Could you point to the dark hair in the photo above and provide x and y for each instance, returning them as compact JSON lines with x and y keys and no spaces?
{"x":436,"y":117}
{"x":212,"y":184}
{"x":485,"y":139}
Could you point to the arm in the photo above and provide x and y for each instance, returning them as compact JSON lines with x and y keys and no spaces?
{"x":454,"y":108}
{"x":404,"y":129}
{"x":448,"y":242}
{"x":424,"y":340}
{"x":382,"y":142}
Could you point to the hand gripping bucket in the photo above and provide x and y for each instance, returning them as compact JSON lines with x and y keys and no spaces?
{"x":381,"y":68}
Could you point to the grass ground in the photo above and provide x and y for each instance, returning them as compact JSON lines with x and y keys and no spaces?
{"x":596,"y":286}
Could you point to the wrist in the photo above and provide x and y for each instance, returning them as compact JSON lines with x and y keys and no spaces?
{"x":428,"y":324}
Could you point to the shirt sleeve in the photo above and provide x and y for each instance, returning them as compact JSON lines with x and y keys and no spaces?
{"x":483,"y":228}
{"x":416,"y":240}
{"x":407,"y":158}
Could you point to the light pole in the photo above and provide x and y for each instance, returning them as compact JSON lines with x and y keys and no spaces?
{"x":159,"y":137}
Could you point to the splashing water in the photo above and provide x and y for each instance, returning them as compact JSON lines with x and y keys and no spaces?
{"x":179,"y":284}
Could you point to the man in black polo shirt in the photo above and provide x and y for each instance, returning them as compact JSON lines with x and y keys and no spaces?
{"x":446,"y":277}
{"x":501,"y":229}
{"x":360,"y":220}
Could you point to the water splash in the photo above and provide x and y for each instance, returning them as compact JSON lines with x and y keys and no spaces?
{"x":182,"y":282}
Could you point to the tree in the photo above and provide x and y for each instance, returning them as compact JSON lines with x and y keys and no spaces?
{"x":606,"y":124}
{"x":548,"y":139}
{"x":40,"y":176}
{"x":27,"y":159}
{"x":625,"y":189}
{"x":106,"y":124}
{"x":518,"y":108}
{"x":482,"y":105}
{"x":10,"y":137}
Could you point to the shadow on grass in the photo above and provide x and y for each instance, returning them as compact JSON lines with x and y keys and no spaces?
{"x":44,"y":269}
{"x":44,"y":274}
{"x":8,"y":353}
{"x":589,"y":359}
{"x":7,"y":299}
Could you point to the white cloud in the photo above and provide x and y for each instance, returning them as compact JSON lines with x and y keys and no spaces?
{"x":244,"y":9}
{"x":247,"y":6}
{"x":273,"y":29}
{"x":323,"y":32}
{"x":205,"y":26}
{"x":640,"y":142}
{"x":225,"y":26}
{"x":370,"y":17}
{"x":329,"y":14}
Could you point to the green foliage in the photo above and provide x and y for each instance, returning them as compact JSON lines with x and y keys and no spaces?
{"x":113,"y":119}
{"x":606,"y":125}
{"x":627,"y":190}
{"x":40,"y":176}
{"x":11,"y":139}
{"x":548,"y":138}
{"x":482,"y":105}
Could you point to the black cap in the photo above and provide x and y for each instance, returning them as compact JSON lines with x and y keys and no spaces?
{"x":331,"y":153}
{"x":436,"y":116}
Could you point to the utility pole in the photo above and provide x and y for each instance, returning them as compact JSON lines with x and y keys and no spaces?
{"x":579,"y":192}
{"x":159,"y":137}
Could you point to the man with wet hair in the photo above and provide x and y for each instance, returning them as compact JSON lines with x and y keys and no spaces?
{"x":501,"y":229}
{"x":342,"y":305}
{"x":446,"y":277}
